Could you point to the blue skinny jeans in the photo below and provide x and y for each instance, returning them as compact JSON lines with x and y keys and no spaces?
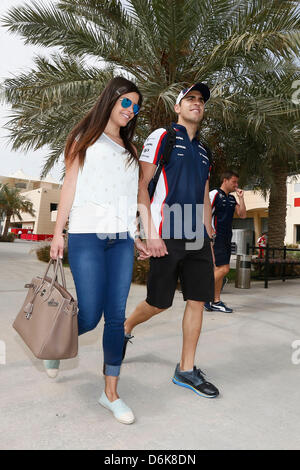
{"x":102,"y":273}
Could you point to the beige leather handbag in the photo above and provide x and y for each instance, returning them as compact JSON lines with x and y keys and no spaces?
{"x":47,"y":321}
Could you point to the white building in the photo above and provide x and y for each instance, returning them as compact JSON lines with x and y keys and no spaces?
{"x":44,"y":194}
{"x":257,"y":212}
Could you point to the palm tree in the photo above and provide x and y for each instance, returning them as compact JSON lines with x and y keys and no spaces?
{"x":12,"y":203}
{"x":262,"y":139}
{"x":161,"y":44}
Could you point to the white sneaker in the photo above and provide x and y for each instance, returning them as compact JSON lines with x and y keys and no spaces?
{"x":119,"y":409}
{"x":52,"y":368}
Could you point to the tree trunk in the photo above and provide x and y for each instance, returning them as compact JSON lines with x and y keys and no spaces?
{"x":7,"y":224}
{"x":219,"y":166}
{"x":277,"y":206}
{"x":159,"y":117}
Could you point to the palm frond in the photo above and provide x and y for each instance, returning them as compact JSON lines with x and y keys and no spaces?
{"x":56,"y":78}
{"x":244,"y":50}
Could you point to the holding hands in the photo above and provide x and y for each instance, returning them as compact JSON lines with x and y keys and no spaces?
{"x":152,"y":247}
{"x":141,"y":249}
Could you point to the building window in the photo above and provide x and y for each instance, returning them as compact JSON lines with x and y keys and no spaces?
{"x":21,"y":185}
{"x":53,"y":206}
{"x":297,"y":233}
{"x":247,"y":224}
{"x":264,"y":224}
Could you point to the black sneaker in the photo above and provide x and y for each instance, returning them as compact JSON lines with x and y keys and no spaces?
{"x":195,"y":381}
{"x":127,"y":338}
{"x":207,"y":307}
{"x":220,"y":307}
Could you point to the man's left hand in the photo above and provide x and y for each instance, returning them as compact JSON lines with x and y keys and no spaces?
{"x":240,"y":193}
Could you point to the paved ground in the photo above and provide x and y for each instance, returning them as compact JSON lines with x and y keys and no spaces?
{"x":248,"y":355}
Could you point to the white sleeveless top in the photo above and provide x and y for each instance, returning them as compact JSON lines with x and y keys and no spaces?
{"x":106,"y":192}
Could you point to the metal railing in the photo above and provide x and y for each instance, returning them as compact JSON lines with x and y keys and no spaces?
{"x":269,"y":255}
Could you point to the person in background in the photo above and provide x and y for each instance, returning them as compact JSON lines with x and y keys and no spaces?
{"x":262,"y":243}
{"x":224,"y":206}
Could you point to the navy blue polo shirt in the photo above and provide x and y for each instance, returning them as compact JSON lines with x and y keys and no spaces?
{"x":179,"y":196}
{"x":223,"y":207}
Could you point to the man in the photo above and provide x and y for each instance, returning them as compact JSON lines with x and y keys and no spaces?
{"x":224,"y":205}
{"x":183,"y":186}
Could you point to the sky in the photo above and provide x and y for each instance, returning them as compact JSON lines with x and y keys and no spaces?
{"x":15,"y":57}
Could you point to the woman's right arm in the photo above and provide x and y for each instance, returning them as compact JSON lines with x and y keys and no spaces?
{"x":64,"y":208}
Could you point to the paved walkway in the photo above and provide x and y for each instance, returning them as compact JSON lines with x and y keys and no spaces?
{"x":247,"y":354}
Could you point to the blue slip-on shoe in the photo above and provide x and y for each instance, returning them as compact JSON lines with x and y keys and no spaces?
{"x":119,"y":409}
{"x":220,"y":307}
{"x":52,"y":368}
{"x":195,"y":381}
{"x":207,"y":307}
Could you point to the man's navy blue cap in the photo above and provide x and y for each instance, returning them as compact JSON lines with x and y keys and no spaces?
{"x":197,"y":86}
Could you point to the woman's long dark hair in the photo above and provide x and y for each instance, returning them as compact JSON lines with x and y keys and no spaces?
{"x":89,"y":129}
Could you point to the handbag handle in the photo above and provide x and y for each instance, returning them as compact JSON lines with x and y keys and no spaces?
{"x":56,"y":264}
{"x":62,"y":273}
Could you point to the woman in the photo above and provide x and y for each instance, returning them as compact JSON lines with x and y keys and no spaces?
{"x":99,"y":194}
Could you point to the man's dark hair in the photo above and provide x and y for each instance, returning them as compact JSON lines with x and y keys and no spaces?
{"x":228,"y":174}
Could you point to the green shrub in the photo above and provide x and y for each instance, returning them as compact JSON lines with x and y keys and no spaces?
{"x":43,"y":254}
{"x":292,"y":245}
{"x":10,"y":237}
{"x":276,"y":270}
{"x":140,"y":271}
{"x":231,"y":275}
{"x":293,"y":254}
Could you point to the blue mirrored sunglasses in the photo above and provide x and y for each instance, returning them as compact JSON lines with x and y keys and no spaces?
{"x":126,"y":103}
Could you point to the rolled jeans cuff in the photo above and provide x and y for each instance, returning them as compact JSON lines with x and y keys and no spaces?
{"x":113,"y":371}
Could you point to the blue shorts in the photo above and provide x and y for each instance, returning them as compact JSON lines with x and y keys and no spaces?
{"x":222,"y":250}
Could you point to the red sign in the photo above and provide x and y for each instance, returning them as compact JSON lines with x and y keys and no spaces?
{"x":297,"y":202}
